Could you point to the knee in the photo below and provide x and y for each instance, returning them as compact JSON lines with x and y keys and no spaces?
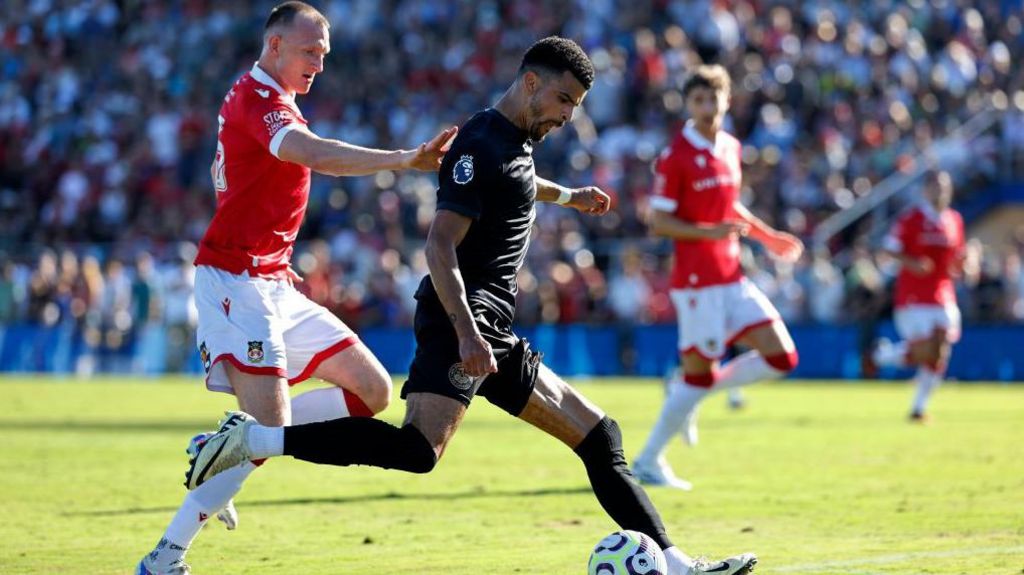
{"x":603,"y":445}
{"x":784,"y":362}
{"x":379,"y":399}
{"x":934,"y":356}
{"x":375,"y":394}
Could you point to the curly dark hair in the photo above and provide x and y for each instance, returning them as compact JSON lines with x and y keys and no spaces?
{"x":556,"y":54}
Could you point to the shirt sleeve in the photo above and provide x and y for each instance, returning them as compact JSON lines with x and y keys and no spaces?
{"x":466,"y":173}
{"x":667,"y":183}
{"x":269,"y":119}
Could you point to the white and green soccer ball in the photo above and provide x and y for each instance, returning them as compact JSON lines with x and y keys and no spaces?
{"x":627,"y":553}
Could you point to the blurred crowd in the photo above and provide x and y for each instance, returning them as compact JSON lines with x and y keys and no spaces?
{"x":107,"y":131}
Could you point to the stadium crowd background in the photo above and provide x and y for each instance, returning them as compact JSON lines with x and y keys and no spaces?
{"x":107,"y":131}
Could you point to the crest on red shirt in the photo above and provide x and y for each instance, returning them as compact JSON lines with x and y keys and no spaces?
{"x":204,"y":356}
{"x":702,"y":162}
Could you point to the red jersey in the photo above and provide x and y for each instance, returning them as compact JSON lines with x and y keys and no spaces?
{"x":922,"y":231}
{"x":261,"y":199}
{"x":698,"y":181}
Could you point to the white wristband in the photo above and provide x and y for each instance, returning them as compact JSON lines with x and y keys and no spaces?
{"x":564,"y":196}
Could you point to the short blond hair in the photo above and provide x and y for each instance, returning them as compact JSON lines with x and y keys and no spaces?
{"x":285,"y":13}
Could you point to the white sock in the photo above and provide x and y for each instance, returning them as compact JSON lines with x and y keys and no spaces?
{"x":745,"y":369}
{"x":682,"y":398}
{"x":927,"y":380}
{"x":265,"y":441}
{"x":209,"y":498}
{"x":892,"y":355}
{"x":323,"y":404}
{"x":679,"y":563}
{"x":199,"y":505}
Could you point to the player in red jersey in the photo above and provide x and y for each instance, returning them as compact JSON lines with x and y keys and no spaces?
{"x":696,"y":203}
{"x":257,"y":334}
{"x":928,"y":240}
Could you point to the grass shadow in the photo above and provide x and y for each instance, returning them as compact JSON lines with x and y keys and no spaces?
{"x":477,"y":493}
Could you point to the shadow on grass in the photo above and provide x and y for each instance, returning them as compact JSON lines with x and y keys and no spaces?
{"x":478,"y":493}
{"x":85,"y":426}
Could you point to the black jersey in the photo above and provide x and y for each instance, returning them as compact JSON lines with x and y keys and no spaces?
{"x":488,"y":175}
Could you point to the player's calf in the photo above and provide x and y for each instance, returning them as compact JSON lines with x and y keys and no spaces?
{"x":613,"y":484}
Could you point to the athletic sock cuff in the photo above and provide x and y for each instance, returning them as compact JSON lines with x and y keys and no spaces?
{"x":784,"y":362}
{"x":705,"y":380}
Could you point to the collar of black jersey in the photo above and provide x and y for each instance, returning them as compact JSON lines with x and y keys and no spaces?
{"x":508,"y":128}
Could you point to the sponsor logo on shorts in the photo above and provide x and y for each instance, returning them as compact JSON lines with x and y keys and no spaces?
{"x":459,"y":378}
{"x":226,"y":304}
{"x":204,"y":356}
{"x":712,"y":344}
{"x":255,"y":351}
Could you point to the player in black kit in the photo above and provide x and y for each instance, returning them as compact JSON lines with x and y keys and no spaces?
{"x":465,"y":345}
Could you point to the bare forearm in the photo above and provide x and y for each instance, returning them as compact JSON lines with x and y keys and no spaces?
{"x":759,"y":231}
{"x":337,"y":158}
{"x":548,"y":191}
{"x":447,"y":280}
{"x":901,"y":257}
{"x":666,"y":225}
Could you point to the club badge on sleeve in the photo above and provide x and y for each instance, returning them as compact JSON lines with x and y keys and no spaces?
{"x":463,"y":171}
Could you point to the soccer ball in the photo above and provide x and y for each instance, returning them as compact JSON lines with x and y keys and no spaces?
{"x":627,"y":553}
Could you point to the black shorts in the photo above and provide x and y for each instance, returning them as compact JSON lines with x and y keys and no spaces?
{"x":437,"y":366}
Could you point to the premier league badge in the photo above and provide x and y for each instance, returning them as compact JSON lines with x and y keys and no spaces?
{"x":255,"y":351}
{"x":463,"y":171}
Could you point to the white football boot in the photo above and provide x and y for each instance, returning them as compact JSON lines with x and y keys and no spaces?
{"x":222,"y":450}
{"x":229,"y":515}
{"x":736,"y":400}
{"x":659,"y":474}
{"x":177,"y":568}
{"x":739,"y":565}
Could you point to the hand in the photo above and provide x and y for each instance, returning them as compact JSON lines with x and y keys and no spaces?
{"x":785,"y":247}
{"x":590,"y":200}
{"x":727,"y":230}
{"x":919,"y":266}
{"x":428,"y":156}
{"x":477,"y":359}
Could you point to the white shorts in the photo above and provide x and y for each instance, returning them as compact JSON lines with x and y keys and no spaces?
{"x":263,"y":327}
{"x":711,"y":318}
{"x":918,"y":322}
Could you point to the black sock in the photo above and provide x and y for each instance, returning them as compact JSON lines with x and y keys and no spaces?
{"x":613,"y":484}
{"x":360,"y":441}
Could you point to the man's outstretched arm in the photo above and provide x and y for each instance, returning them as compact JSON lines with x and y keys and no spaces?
{"x":337,"y":158}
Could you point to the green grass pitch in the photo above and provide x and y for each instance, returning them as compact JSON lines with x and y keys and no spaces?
{"x":818,"y":478}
